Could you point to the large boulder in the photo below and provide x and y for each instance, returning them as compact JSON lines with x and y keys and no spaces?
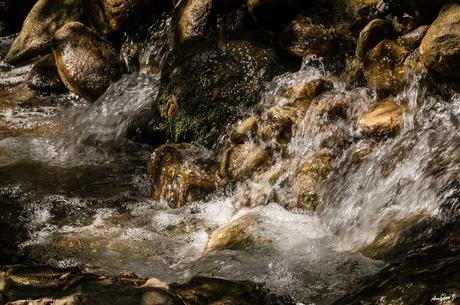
{"x":199,"y":98}
{"x":108,"y":16}
{"x":189,"y":21}
{"x":86,"y":63}
{"x":182,"y":173}
{"x":440,"y":48}
{"x":45,"y":18}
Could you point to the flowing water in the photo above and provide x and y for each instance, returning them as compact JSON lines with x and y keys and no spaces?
{"x":74,"y":191}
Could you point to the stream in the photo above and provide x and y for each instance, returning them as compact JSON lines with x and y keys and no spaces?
{"x":74,"y":191}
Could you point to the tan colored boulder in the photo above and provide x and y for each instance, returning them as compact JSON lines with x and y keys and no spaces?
{"x":243,"y":160}
{"x":45,"y":18}
{"x":86,"y":63}
{"x":310,"y":180}
{"x":374,"y":32}
{"x":182,"y":173}
{"x":189,"y":21}
{"x":306,"y":92}
{"x":440,"y":47}
{"x":382,"y":119}
{"x":304,"y":37}
{"x":382,"y":68}
{"x":241,"y":234}
{"x":244,"y":130}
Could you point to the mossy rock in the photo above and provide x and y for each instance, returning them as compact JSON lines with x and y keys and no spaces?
{"x":213,"y":85}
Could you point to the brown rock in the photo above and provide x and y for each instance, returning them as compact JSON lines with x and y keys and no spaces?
{"x":382,"y":68}
{"x":189,"y":21}
{"x":374,"y":32}
{"x":241,"y":234}
{"x":411,"y":40}
{"x":86,"y":63}
{"x":109,"y":16}
{"x":243,"y":160}
{"x":440,"y":48}
{"x":45,"y":18}
{"x":182,"y":173}
{"x":304,"y":37}
{"x":310,"y":180}
{"x":382,"y":119}
{"x":279,"y":123}
{"x":244,"y":130}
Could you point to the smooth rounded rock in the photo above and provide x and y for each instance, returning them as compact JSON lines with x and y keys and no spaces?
{"x":45,"y":18}
{"x":86,"y":63}
{"x":374,"y":32}
{"x":44,"y":76}
{"x":440,"y":48}
{"x":382,"y":119}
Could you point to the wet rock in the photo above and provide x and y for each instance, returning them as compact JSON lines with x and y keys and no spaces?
{"x":354,"y":14}
{"x":190,"y":20}
{"x":242,"y":234}
{"x":399,"y":237}
{"x":44,"y":76}
{"x":310,"y":180}
{"x":382,"y":119}
{"x":244,"y":130}
{"x":45,"y":18}
{"x":440,"y":48}
{"x":333,"y":104}
{"x":354,"y":71}
{"x":40,"y":285}
{"x":182,"y":173}
{"x":86,"y":63}
{"x":382,"y":68}
{"x":215,"y":291}
{"x":374,"y":32}
{"x":243,"y":160}
{"x":306,"y":92}
{"x":279,"y":124}
{"x":427,"y":273}
{"x":108,"y":16}
{"x":412,"y":40}
{"x":304,"y":37}
{"x":199,"y":98}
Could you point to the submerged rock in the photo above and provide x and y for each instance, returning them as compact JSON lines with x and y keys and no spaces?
{"x":440,"y":48}
{"x":86,"y":63}
{"x":45,"y":18}
{"x":182,"y":173}
{"x":190,"y":20}
{"x":382,"y":119}
{"x":35,"y":285}
{"x":44,"y":76}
